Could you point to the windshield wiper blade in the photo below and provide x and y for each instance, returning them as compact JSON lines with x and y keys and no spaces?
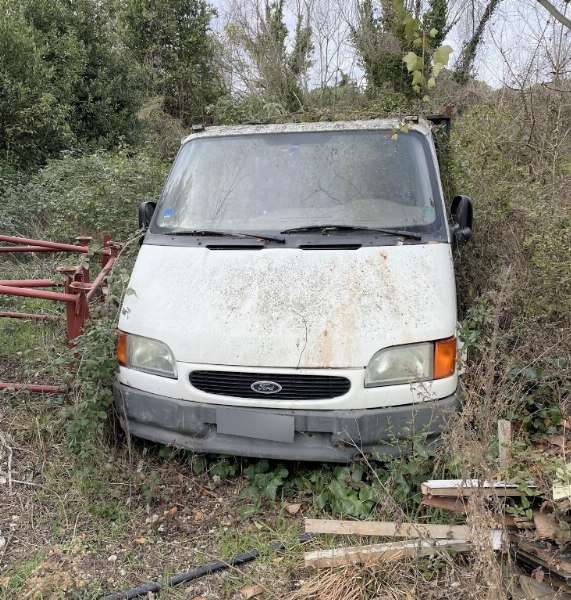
{"x":236,"y":234}
{"x":323,"y":228}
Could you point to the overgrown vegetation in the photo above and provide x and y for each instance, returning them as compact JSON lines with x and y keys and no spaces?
{"x":93,"y":102}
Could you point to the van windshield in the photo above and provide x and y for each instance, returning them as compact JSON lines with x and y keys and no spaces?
{"x":274,"y":182}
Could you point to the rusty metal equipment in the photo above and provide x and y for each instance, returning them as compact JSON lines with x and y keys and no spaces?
{"x":78,"y":290}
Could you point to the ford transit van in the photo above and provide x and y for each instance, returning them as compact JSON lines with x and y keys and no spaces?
{"x":294,"y":295}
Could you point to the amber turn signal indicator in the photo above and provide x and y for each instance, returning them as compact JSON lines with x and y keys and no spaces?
{"x":122,"y":348}
{"x":445,"y":358}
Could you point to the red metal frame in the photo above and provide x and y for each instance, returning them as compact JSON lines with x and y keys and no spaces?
{"x":28,"y":316}
{"x":34,"y":388}
{"x":25,"y":249}
{"x":53,"y":246}
{"x":30,"y":283}
{"x":78,"y":290}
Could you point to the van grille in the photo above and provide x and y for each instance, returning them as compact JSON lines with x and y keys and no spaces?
{"x":294,"y":387}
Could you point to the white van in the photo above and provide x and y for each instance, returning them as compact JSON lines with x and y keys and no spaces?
{"x":294,"y":296}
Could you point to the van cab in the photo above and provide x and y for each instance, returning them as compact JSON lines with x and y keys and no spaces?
{"x":294,"y":295}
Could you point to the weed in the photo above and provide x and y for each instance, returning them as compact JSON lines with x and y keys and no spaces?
{"x":220,"y":467}
{"x":91,"y":389}
{"x":265,"y":480}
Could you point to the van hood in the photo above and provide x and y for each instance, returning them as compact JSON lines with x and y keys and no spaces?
{"x":290,"y":308}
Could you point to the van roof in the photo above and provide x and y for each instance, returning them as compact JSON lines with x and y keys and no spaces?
{"x":422,"y":126}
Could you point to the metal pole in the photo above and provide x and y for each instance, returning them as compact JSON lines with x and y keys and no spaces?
{"x":30,"y":283}
{"x":46,"y":389}
{"x":45,"y":244}
{"x":41,"y":294}
{"x":28,"y":316}
{"x":26,"y":249}
{"x":101,"y":277}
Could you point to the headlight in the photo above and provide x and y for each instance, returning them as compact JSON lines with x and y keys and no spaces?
{"x":401,"y":364}
{"x":412,"y":363}
{"x":145,"y":354}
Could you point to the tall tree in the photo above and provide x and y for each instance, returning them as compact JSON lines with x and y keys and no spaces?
{"x":279,"y":73}
{"x":172,"y":39}
{"x":64,"y":81}
{"x":468,"y":55}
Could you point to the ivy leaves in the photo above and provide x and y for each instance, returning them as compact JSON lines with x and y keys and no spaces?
{"x":426,"y":62}
{"x":416,"y":66}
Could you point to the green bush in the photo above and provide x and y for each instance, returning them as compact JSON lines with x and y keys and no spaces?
{"x":89,"y":195}
{"x":65,"y":81}
{"x":521,"y":213}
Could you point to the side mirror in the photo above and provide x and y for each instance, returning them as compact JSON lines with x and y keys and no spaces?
{"x":462,"y":217}
{"x":146,"y":211}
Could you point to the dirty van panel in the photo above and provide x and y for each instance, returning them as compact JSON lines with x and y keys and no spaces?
{"x":294,"y":296}
{"x":331,"y":309}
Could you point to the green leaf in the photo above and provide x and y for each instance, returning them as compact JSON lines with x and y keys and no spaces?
{"x":357,"y":474}
{"x":442,"y":55}
{"x":431,"y":84}
{"x":262,"y":466}
{"x":366,"y":493}
{"x":417,"y":78}
{"x":412,"y":60}
{"x":339,"y":491}
{"x":433,"y":33}
{"x":320,"y":500}
{"x":436,"y":69}
{"x":271,"y":489}
{"x":198,"y":464}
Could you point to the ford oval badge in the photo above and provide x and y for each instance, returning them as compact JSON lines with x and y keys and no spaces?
{"x":266,"y":387}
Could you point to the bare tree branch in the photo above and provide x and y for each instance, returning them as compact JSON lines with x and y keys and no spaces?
{"x":555,"y":13}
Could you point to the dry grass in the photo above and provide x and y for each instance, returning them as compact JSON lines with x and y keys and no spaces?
{"x":437,"y":577}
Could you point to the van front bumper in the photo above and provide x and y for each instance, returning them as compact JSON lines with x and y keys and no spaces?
{"x":318,"y":435}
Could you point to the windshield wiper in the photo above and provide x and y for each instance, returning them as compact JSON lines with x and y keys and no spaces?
{"x":236,"y":234}
{"x":324,"y":228}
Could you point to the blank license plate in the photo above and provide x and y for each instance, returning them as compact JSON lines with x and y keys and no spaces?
{"x":255,"y":424}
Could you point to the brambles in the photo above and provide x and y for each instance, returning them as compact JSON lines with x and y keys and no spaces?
{"x":89,"y":195}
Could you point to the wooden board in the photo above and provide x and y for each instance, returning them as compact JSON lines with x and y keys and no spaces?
{"x":548,"y":555}
{"x":388,"y":529}
{"x":338,"y":557}
{"x":465,"y":487}
{"x":456,"y":505}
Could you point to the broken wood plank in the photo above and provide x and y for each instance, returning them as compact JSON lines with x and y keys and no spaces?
{"x":546,"y":555}
{"x":504,"y":442}
{"x":456,"y":505}
{"x":338,"y":557}
{"x":466,"y":487}
{"x":388,"y":529}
